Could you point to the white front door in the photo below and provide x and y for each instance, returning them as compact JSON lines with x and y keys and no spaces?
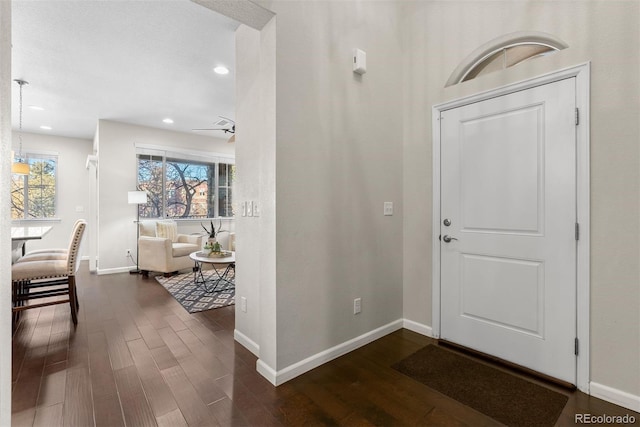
{"x":508,"y":215}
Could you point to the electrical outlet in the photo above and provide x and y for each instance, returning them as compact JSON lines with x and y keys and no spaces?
{"x":243,"y":304}
{"x":128,"y":254}
{"x":357,"y":305}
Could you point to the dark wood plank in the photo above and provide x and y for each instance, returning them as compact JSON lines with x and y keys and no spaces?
{"x":163,"y":357}
{"x":227,"y":414}
{"x":58,"y":348}
{"x":192,"y":407}
{"x":53,"y":385}
{"x":174,"y":343}
{"x":136,"y":408}
{"x":175,"y":323}
{"x":151,"y":336}
{"x":118,"y":350}
{"x":107,"y":408}
{"x":108,"y":411}
{"x":78,"y":404}
{"x":48,"y":416}
{"x":206,"y":357}
{"x":23,"y":418}
{"x":136,"y":353}
{"x":157,"y":391}
{"x":172,"y":419}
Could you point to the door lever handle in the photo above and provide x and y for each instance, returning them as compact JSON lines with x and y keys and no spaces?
{"x":448,"y":238}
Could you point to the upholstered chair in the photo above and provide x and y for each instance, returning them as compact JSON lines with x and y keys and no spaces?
{"x":161,"y":248}
{"x":47,"y":278}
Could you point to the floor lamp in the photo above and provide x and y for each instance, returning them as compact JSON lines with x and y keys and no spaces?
{"x":137,"y":198}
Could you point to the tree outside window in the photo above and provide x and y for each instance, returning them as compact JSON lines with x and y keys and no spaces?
{"x":33,"y":196}
{"x":179,"y":188}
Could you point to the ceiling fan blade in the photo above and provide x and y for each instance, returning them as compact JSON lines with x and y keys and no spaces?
{"x":228,"y":119}
{"x":210,"y":129}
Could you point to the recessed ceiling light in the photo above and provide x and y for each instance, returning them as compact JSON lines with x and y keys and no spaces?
{"x":35,"y":107}
{"x":168,"y":121}
{"x":221,"y":70}
{"x":46,"y":127}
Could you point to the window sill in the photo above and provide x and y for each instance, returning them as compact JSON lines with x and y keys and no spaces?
{"x":35,"y":220}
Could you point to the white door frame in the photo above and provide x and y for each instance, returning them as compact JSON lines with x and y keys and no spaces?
{"x":582,"y":74}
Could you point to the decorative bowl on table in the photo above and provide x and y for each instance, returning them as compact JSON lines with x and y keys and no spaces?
{"x":219,"y":254}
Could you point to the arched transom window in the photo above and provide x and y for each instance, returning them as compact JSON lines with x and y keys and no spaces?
{"x":505,"y":52}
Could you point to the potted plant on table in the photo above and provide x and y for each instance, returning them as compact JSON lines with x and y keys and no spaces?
{"x":212,"y":245}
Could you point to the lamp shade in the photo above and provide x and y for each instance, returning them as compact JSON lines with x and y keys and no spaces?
{"x":137,"y":197}
{"x":20,"y":168}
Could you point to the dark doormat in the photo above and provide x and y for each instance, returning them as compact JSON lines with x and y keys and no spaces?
{"x":497,"y":394}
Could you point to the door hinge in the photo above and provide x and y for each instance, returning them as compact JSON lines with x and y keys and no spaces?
{"x":577,"y":231}
{"x":577,"y":116}
{"x":576,"y":346}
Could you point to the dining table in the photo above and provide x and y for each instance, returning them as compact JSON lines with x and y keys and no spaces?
{"x":21,"y":234}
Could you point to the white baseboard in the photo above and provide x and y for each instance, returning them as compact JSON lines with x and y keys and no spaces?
{"x":619,"y":397}
{"x":311,"y":362}
{"x":418,"y":328}
{"x":104,"y":271}
{"x":267,"y":371}
{"x":246,"y":342}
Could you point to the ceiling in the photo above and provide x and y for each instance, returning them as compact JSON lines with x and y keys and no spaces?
{"x":136,"y":62}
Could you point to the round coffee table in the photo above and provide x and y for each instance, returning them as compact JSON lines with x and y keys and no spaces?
{"x":200,"y":258}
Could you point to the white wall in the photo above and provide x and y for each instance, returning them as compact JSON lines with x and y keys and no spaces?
{"x":5,"y":212}
{"x":255,"y":157}
{"x":438,"y":36}
{"x":117,"y":175}
{"x":73,"y":190}
{"x":339,"y":157}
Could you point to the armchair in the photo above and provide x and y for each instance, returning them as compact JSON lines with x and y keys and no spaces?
{"x":162,"y":249}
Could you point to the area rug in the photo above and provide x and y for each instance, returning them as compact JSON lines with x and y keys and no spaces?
{"x":194,"y":297}
{"x":497,"y":394}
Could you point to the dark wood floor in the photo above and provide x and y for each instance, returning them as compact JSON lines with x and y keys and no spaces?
{"x":137,"y":358}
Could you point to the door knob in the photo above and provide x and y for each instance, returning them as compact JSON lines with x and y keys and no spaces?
{"x":448,"y":238}
{"x":447,"y":222}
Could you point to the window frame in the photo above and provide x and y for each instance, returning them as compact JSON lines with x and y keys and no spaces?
{"x":186,"y":156}
{"x":43,"y":155}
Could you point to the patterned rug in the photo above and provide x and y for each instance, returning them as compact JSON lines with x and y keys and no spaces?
{"x":194,"y":297}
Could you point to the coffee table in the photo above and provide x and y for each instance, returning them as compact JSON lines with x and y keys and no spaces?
{"x":202,"y":258}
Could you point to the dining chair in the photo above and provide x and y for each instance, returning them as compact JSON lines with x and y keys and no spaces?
{"x":48,"y":278}
{"x":49,"y":253}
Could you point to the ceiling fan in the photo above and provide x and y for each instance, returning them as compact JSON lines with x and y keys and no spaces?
{"x":224,"y":124}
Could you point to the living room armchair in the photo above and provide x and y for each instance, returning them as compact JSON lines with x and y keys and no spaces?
{"x":162,"y":249}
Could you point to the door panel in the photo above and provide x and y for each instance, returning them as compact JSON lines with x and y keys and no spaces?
{"x":502,"y":172}
{"x":519,"y":283}
{"x":508,"y":187}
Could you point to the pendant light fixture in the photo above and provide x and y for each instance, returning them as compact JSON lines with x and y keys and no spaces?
{"x":20,"y":165}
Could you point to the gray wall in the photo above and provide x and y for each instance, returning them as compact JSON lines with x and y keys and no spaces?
{"x":338,"y":158}
{"x":437,"y":37}
{"x":346,"y":144}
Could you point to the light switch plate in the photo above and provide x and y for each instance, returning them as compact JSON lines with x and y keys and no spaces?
{"x":388,"y":208}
